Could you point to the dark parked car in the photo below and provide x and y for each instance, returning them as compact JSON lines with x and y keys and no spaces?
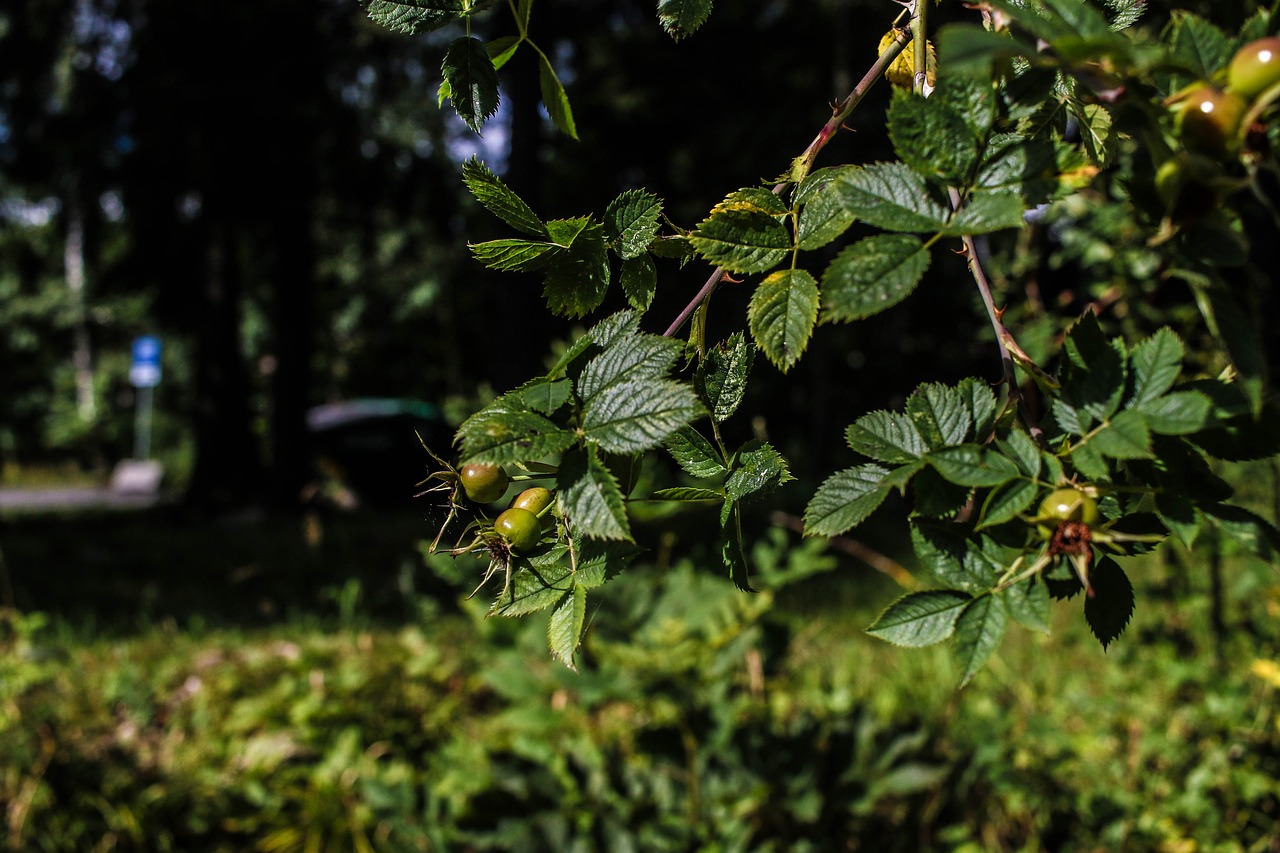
{"x":370,"y":451}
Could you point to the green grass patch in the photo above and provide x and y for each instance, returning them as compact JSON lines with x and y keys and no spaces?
{"x":384,"y":711}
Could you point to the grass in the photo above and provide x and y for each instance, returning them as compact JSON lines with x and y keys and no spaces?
{"x":294,"y":683}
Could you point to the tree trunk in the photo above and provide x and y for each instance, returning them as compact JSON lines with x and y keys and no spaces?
{"x":227,"y":468}
{"x":82,"y":351}
{"x":292,"y":322}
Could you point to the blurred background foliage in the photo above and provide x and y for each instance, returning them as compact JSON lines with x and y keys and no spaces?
{"x":279,"y":200}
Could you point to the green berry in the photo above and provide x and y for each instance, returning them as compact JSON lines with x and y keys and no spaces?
{"x":519,"y":527}
{"x":1255,"y":68}
{"x":534,"y":499}
{"x":1209,"y":119}
{"x":483,"y":483}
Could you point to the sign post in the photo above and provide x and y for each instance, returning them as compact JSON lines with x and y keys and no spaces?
{"x":144,"y":374}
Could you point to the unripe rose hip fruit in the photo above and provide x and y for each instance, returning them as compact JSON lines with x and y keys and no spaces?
{"x":519,"y":527}
{"x":534,"y":499}
{"x":483,"y":483}
{"x":1255,"y":68}
{"x":1209,"y":119}
{"x":1066,"y":504}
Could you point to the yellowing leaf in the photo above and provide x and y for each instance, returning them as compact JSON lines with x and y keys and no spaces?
{"x":1267,"y":670}
{"x":902,"y":71}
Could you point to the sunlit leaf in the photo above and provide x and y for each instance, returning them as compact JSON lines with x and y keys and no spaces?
{"x":920,"y":619}
{"x":499,"y":200}
{"x":782,"y":315}
{"x":871,"y":276}
{"x":845,"y":499}
{"x":631,"y":222}
{"x":893,"y":197}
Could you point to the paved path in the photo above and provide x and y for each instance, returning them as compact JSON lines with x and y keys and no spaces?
{"x":71,"y":497}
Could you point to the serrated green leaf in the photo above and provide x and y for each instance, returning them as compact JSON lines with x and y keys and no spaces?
{"x":1125,"y":13}
{"x":940,"y":414}
{"x":491,"y":192}
{"x":920,"y":619}
{"x":681,"y":18}
{"x":845,"y":499}
{"x":871,"y":276}
{"x":987,"y":210}
{"x":694,"y":453}
{"x":473,"y":81}
{"x":589,"y":497}
{"x":934,"y":497}
{"x":932,"y":137}
{"x":1006,"y":501}
{"x":1029,"y":167}
{"x":632,"y":417}
{"x":731,"y":552}
{"x":1245,"y":527}
{"x":978,"y":633}
{"x":1155,"y":365}
{"x":1197,"y":45}
{"x":577,"y":279}
{"x":502,"y":437}
{"x":949,"y":554}
{"x":672,"y":247}
{"x":744,"y":233}
{"x":615,"y":327}
{"x":1178,"y":413}
{"x":1022,"y":449}
{"x":970,"y":49}
{"x":555,"y":99}
{"x":1072,"y":420}
{"x":1065,"y":23}
{"x":687,"y":494}
{"x":1109,"y":608}
{"x":782,"y":314}
{"x":597,"y":562}
{"x":893,"y":197}
{"x":757,"y":470}
{"x":899,"y":478}
{"x":886,"y":437}
{"x":515,"y":255}
{"x":722,"y":377}
{"x":1028,"y":603}
{"x":980,"y":400}
{"x":973,"y":465}
{"x":564,"y":631}
{"x":414,"y":16}
{"x":631,"y":222}
{"x":1177,"y":513}
{"x":628,"y":360}
{"x":536,"y":584}
{"x":542,"y":395}
{"x":501,"y":50}
{"x":1237,"y":331}
{"x":1088,"y":461}
{"x":1125,"y":436}
{"x":639,"y":280}
{"x":823,"y":216}
{"x":1093,"y":374}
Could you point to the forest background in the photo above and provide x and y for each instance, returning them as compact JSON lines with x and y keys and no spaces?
{"x":256,"y":662}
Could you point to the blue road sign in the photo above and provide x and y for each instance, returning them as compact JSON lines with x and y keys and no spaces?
{"x":144,"y":372}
